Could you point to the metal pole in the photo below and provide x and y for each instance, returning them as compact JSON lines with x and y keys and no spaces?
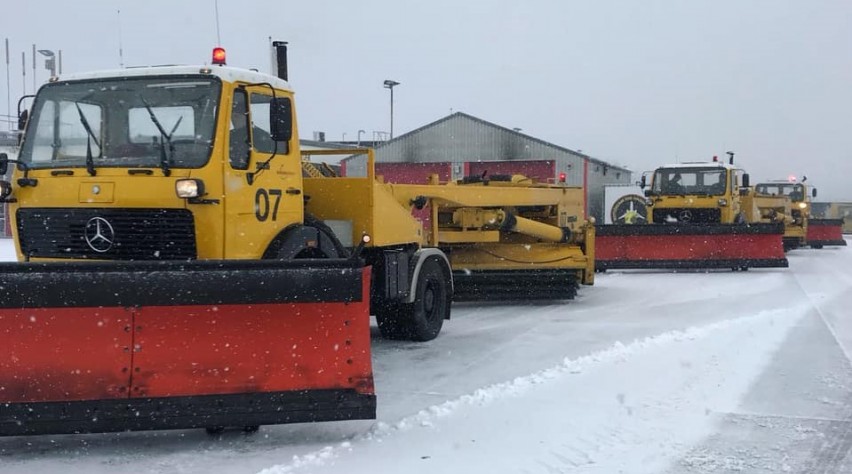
{"x":390,"y":84}
{"x":60,"y":62}
{"x":24,"y":70}
{"x":218,"y":36}
{"x":8,"y":88}
{"x":120,"y":46}
{"x":34,"y":69}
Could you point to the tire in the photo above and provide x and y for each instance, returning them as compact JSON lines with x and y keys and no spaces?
{"x":321,"y":226}
{"x":816,"y":246}
{"x":290,"y":246}
{"x":251,"y":429}
{"x":215,"y":430}
{"x":421,"y":320}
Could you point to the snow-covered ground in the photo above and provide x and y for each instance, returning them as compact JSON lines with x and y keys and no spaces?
{"x":645,"y":372}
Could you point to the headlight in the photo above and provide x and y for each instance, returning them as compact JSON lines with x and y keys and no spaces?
{"x":803,"y":205}
{"x":723,"y":202}
{"x":189,"y":188}
{"x":5,"y":190}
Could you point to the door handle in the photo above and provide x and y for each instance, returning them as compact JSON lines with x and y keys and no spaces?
{"x":293,"y":191}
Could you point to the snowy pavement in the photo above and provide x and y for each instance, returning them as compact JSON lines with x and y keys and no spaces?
{"x":645,"y":372}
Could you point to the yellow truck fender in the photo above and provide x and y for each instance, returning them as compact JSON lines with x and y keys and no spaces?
{"x":421,"y":256}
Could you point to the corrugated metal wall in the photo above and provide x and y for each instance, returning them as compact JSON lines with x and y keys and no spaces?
{"x":599,"y":175}
{"x":540,"y":171}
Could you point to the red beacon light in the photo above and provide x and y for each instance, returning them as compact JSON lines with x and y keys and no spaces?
{"x":791,"y":178}
{"x":219,"y":56}
{"x":562,"y":177}
{"x":715,"y":159}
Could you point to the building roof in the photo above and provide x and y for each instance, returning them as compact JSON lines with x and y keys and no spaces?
{"x":502,"y":129}
{"x":314,"y":144}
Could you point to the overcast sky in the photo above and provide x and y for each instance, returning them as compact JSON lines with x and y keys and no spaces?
{"x":638,"y":83}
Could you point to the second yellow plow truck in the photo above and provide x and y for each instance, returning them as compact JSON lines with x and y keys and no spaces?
{"x":790,"y":202}
{"x":178,"y":269}
{"x":698,"y":218}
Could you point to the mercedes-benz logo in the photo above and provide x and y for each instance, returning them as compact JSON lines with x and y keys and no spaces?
{"x":99,"y":234}
{"x":685,"y":215}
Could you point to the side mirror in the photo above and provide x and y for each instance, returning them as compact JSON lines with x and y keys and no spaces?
{"x":643,"y":182}
{"x":647,"y":193}
{"x":4,"y":164}
{"x":281,"y":119}
{"x":746,"y":182}
{"x":813,"y":192}
{"x":22,"y":119}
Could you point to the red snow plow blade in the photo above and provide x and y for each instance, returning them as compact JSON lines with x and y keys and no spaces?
{"x":99,"y":347}
{"x":689,"y":246}
{"x":825,"y":232}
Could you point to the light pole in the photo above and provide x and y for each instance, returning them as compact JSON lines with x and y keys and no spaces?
{"x":359,"y":136}
{"x":50,"y":61}
{"x":390,"y":84}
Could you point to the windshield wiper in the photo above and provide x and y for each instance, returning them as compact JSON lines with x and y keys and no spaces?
{"x":164,"y":160}
{"x":90,"y":160}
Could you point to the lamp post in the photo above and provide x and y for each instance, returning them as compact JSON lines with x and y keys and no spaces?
{"x":50,"y":61}
{"x":359,"y":136}
{"x":390,"y":84}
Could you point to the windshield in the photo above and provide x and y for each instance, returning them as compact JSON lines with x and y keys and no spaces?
{"x":682,"y":181}
{"x":112,"y":119}
{"x":796,"y":192}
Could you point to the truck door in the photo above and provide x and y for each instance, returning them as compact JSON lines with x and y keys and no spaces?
{"x":263,"y":195}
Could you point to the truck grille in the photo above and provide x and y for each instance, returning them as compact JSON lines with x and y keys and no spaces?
{"x":107,"y":234}
{"x":687,"y":215}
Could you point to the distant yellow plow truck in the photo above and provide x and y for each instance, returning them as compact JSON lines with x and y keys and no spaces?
{"x":178,"y":270}
{"x":699,"y":217}
{"x":802,"y":227}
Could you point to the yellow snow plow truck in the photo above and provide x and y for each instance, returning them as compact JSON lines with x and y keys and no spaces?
{"x":178,"y":270}
{"x":698,"y":218}
{"x":802,"y":227}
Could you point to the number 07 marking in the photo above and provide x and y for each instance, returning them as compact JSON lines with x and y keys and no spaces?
{"x":262,"y":206}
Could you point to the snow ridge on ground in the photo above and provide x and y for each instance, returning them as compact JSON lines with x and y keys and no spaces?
{"x":618,"y":353}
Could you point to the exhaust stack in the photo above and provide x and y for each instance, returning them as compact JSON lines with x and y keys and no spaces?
{"x":279,"y":59}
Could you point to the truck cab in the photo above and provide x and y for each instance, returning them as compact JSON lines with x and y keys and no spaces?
{"x":799,"y":195}
{"x":158,"y":163}
{"x":790,"y":202}
{"x":696,"y":193}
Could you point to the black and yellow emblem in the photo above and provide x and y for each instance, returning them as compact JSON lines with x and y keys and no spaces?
{"x":629,"y":209}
